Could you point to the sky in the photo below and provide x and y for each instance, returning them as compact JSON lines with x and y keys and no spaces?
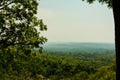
{"x":76,"y":21}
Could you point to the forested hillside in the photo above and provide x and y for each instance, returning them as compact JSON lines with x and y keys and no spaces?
{"x":31,"y":65}
{"x":24,"y":57}
{"x":77,"y":47}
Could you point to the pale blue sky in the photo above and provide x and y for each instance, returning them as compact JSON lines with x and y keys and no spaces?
{"x":76,"y":21}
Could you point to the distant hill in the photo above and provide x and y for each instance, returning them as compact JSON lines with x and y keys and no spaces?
{"x":79,"y":47}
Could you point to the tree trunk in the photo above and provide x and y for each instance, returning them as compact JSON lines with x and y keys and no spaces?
{"x":116,"y":13}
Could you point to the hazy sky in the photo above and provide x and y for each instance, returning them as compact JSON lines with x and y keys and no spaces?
{"x":74,"y":20}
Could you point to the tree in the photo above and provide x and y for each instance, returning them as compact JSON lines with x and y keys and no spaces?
{"x":114,"y":4}
{"x":19,"y":24}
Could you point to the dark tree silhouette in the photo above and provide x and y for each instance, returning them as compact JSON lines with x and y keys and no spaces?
{"x":116,"y":12}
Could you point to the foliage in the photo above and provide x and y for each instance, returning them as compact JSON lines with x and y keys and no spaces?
{"x":108,"y":2}
{"x":19,"y":25}
{"x":18,"y":60}
{"x":105,"y":73}
{"x":17,"y":65}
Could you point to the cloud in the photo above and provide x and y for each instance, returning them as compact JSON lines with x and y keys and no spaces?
{"x":45,"y":13}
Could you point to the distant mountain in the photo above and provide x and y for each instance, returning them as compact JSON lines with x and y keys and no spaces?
{"x":79,"y":47}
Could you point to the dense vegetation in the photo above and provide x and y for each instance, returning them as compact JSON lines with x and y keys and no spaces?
{"x":16,"y":64}
{"x":19,"y":34}
{"x":19,"y":61}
